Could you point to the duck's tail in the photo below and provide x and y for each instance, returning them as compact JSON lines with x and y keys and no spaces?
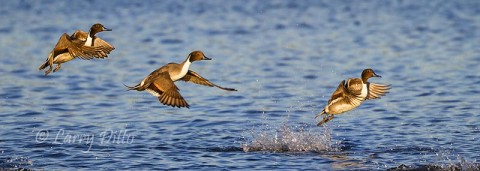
{"x":43,"y":66}
{"x":136,"y":87}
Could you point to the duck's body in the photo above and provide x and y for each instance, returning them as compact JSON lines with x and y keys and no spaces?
{"x":160,"y":83}
{"x":80,"y":44}
{"x":351,"y":93}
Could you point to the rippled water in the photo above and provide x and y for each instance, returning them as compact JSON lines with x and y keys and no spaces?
{"x":284,"y":57}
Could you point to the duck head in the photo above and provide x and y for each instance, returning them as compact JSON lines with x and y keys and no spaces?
{"x":97,"y":28}
{"x":368,"y":73}
{"x":197,"y":56}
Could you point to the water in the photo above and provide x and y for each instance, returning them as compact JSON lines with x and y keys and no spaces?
{"x":284,"y":57}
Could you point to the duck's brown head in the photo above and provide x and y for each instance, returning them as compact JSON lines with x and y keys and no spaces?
{"x":197,"y":56}
{"x":97,"y":28}
{"x":368,"y":73}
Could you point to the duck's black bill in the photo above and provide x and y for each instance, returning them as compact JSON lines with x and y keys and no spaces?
{"x":375,"y":75}
{"x":206,"y":58}
{"x":107,"y":29}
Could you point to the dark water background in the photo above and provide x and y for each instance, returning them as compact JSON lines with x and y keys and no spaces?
{"x":284,"y":57}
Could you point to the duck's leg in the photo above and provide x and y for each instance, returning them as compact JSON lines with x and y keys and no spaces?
{"x":321,"y":113}
{"x":330,"y":117}
{"x":49,"y":70}
{"x":325,"y":119}
{"x":50,"y":63}
{"x":56,"y":68}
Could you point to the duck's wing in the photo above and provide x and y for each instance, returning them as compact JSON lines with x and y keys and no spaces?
{"x":354,"y":86}
{"x":80,"y":35}
{"x":343,"y":95}
{"x":167,"y":91}
{"x":75,"y":48}
{"x":340,"y":93}
{"x":106,"y":47}
{"x":99,"y":43}
{"x":193,"y":77}
{"x":376,"y":90}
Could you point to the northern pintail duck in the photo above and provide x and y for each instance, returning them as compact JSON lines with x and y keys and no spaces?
{"x":80,"y":44}
{"x":160,"y":83}
{"x":351,"y":94}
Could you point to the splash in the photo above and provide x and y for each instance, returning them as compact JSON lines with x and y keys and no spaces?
{"x":446,"y":163}
{"x":449,"y":167}
{"x":15,"y":163}
{"x":286,"y":138}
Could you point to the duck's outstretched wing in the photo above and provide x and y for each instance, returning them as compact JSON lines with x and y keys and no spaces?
{"x":106,"y":47}
{"x":193,"y":77}
{"x":376,"y":90}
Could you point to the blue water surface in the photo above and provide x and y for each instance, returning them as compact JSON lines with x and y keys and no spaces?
{"x":284,"y":57}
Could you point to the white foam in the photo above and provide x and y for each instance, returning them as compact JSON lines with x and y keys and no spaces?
{"x":286,"y":138}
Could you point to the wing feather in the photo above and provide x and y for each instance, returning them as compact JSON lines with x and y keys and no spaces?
{"x":354,"y":86}
{"x":168,"y":92}
{"x":102,"y":46}
{"x":339,"y":93}
{"x":75,"y":48}
{"x":376,"y":90}
{"x":193,"y":77}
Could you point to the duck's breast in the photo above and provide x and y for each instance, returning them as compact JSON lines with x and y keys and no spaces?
{"x":178,"y":71}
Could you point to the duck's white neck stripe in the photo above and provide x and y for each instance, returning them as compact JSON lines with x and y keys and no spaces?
{"x":364,"y":93}
{"x":89,"y":41}
{"x":184,"y":70}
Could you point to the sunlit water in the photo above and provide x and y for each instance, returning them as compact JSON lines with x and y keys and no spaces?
{"x":284,"y":57}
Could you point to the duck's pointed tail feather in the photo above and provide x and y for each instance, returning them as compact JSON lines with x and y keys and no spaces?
{"x":43,"y":66}
{"x":136,"y":87}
